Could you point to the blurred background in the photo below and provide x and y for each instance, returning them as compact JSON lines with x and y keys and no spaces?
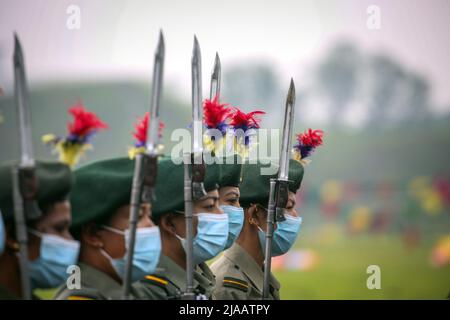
{"x":372,"y":74}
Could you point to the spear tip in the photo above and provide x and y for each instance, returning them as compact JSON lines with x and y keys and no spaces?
{"x":16,"y":42}
{"x":196,"y":45}
{"x":291,"y":93}
{"x":196,"y":51}
{"x":217,"y":67}
{"x":18,"y":57}
{"x":161,"y":45}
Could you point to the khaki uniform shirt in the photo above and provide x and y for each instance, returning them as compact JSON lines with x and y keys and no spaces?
{"x":169,"y":282}
{"x":95,"y":285}
{"x":6,"y":295}
{"x":238,"y":277}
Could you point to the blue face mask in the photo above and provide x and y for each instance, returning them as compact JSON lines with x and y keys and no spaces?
{"x":235,"y":222}
{"x":283,"y":237}
{"x":2,"y":234}
{"x":286,"y":234}
{"x":147,"y":250}
{"x":56,"y":254}
{"x":212,"y":235}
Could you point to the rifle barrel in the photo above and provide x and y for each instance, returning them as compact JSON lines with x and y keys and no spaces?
{"x":21,"y":234}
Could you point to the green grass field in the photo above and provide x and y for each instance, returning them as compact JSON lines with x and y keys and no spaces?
{"x":341,"y":272}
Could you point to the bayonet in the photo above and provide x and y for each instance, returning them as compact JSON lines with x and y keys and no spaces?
{"x":197,"y":138}
{"x":152,"y":133}
{"x":279,"y":187}
{"x":215,"y":79}
{"x":198,"y":167}
{"x":21,"y":96}
{"x":27,"y":175}
{"x":287,"y":133}
{"x":145,"y":169}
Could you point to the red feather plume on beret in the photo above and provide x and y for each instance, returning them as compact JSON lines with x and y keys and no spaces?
{"x":245,"y":121}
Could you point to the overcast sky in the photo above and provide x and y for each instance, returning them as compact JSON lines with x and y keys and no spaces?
{"x":117,"y":39}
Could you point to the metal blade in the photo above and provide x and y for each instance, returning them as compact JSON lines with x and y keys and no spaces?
{"x":215,"y":78}
{"x":283,"y":173}
{"x":197,"y":110}
{"x":23,"y":107}
{"x":157,"y":82}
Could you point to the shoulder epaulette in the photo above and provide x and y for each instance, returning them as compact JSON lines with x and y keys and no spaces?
{"x":78,"y":294}
{"x":235,"y":283}
{"x":172,"y":291}
{"x":80,"y":297}
{"x":157,"y":280}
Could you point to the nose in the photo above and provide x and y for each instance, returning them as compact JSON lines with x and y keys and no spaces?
{"x":145,"y":222}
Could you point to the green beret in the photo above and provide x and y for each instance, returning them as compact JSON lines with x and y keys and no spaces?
{"x":54,"y":180}
{"x":170,"y":186}
{"x":230,"y":171}
{"x":101,"y":188}
{"x":255,"y":186}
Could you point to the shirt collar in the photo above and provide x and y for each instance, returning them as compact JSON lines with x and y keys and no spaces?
{"x":94,"y":278}
{"x":172,"y":271}
{"x":249,"y":267}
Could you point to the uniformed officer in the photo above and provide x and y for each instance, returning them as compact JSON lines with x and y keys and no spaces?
{"x":100,"y":202}
{"x":51,"y":248}
{"x":239,"y":271}
{"x":210,"y":235}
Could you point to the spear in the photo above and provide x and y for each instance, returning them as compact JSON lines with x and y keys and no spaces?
{"x":279,"y":187}
{"x":145,"y":165}
{"x":24,"y":180}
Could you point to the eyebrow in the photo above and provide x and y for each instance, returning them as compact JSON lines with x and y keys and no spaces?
{"x":232,"y":192}
{"x":209,"y":197}
{"x":64,"y":221}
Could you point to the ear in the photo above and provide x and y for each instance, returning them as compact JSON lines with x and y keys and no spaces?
{"x":10,"y":240}
{"x":166,"y":224}
{"x":90,"y":234}
{"x":252,"y":215}
{"x":12,"y":244}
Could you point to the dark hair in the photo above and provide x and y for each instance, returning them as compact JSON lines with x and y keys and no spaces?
{"x":10,"y":222}
{"x":76,"y":231}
